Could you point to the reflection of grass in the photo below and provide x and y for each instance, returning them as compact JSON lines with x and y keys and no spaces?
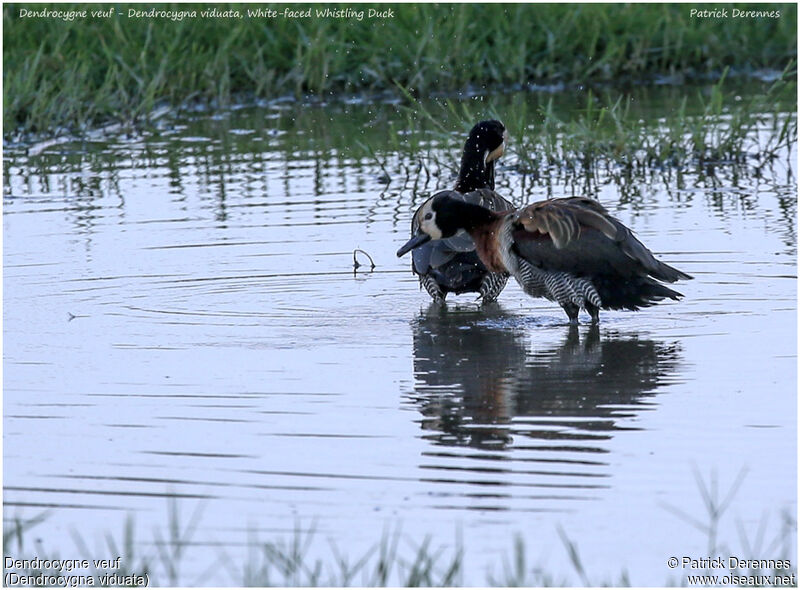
{"x":397,"y":559}
{"x":608,"y":132}
{"x":73,"y":73}
{"x":561,"y":143}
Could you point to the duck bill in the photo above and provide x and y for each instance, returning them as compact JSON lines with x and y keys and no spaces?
{"x":417,"y":240}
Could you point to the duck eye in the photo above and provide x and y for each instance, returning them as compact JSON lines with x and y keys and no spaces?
{"x":428,"y":215}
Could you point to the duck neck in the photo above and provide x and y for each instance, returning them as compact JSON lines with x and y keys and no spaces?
{"x":474,"y":174}
{"x":483,"y":225}
{"x":470,"y":217}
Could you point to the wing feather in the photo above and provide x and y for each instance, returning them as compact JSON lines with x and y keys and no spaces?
{"x":577,"y":235}
{"x":562,"y":219}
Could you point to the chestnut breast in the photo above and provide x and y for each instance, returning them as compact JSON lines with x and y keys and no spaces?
{"x":487,"y":245}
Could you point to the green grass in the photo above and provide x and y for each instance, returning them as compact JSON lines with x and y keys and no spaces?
{"x":397,"y":559}
{"x":62,"y":74}
{"x":610,"y":131}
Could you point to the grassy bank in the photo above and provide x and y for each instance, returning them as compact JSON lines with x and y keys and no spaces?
{"x":72,"y":73}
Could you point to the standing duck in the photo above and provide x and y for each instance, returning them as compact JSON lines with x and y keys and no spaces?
{"x":568,"y":250}
{"x":451,"y":265}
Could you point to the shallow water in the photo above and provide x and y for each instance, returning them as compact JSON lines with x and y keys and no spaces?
{"x":182,"y":320}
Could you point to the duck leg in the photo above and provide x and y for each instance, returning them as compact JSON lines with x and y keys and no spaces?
{"x":433,"y":289}
{"x":594,"y":311}
{"x":491,"y":286}
{"x":572,"y":311}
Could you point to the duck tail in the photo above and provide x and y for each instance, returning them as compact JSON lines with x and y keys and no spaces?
{"x":633,"y":293}
{"x":637,"y":251}
{"x":669,"y":274}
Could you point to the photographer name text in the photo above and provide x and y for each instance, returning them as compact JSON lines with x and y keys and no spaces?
{"x":733,"y":13}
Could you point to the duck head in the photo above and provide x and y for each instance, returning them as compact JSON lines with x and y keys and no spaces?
{"x":436,"y":220}
{"x":485,"y":144}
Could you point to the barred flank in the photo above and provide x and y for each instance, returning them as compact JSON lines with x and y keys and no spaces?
{"x":560,"y":287}
{"x":492,"y":285}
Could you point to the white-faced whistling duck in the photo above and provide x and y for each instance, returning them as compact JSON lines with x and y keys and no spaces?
{"x":451,"y":265}
{"x":568,"y":250}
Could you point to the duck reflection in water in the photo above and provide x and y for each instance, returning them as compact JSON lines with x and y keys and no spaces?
{"x":476,"y":383}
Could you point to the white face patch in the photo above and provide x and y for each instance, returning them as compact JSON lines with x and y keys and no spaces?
{"x":497,"y":152}
{"x":427,"y":221}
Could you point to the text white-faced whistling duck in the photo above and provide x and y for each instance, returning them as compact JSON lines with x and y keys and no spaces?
{"x":451,"y":265}
{"x":569,"y":250}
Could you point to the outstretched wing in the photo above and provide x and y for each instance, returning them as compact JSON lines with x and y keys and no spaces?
{"x":577,"y":235}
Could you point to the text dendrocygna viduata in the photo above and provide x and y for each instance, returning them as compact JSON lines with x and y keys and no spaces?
{"x":569,"y":250}
{"x":451,"y":265}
